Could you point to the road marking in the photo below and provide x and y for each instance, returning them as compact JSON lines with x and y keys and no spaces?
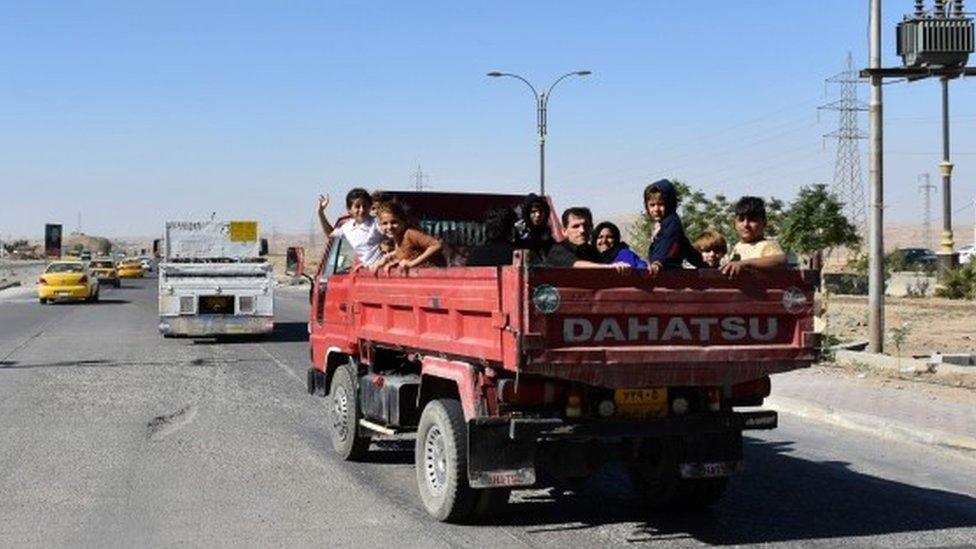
{"x":282,"y":365}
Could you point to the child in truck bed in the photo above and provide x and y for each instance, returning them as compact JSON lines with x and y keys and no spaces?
{"x":753,"y":250}
{"x":669,"y":246}
{"x":414,"y":248}
{"x":362,"y":231}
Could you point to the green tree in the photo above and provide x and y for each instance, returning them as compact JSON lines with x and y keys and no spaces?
{"x":815,"y":222}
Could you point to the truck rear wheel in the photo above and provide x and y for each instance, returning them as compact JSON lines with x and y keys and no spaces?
{"x":656,"y":480}
{"x":441,"y":457}
{"x":344,"y":414}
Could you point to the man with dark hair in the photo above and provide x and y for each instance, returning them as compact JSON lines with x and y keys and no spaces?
{"x":753,"y":249}
{"x":498,"y":249}
{"x":575,"y":249}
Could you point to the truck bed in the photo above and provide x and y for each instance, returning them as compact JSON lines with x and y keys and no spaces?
{"x":598,"y":327}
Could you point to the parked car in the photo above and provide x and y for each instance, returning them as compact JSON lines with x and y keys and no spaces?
{"x":918,"y":257}
{"x":966,"y":254}
{"x":104,"y":270}
{"x":67,"y":281}
{"x":130,"y":268}
{"x":147,"y":264}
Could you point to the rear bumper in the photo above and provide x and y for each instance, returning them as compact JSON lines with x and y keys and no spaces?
{"x":209,"y":325}
{"x":62,"y":292}
{"x":506,"y":451}
{"x":538,"y":428}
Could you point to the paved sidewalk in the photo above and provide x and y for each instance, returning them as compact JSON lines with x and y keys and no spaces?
{"x":889,"y":408}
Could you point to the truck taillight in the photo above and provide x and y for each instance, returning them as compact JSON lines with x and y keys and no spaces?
{"x":574,"y":403}
{"x":41,"y":280}
{"x":83,"y":279}
{"x":756,"y":388}
{"x":531,"y":392}
{"x":713,"y":398}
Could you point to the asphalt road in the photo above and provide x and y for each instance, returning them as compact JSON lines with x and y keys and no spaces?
{"x":111,"y":436}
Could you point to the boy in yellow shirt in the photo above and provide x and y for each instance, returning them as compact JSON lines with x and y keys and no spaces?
{"x":753,"y":251}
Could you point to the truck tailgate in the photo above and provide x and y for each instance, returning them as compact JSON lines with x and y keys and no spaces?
{"x":681,"y":328}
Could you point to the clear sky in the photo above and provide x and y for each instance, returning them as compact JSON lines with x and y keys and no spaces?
{"x":132,"y":113}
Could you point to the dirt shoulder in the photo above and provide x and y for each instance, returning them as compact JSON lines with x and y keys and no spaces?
{"x":935,"y":324}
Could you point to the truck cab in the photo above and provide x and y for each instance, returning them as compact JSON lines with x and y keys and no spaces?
{"x":522,"y":375}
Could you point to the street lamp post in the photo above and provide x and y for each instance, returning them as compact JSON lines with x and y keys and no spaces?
{"x":541,"y":103}
{"x":948,"y":258}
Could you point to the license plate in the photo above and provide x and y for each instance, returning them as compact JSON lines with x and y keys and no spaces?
{"x":640,"y":403}
{"x":64,"y":294}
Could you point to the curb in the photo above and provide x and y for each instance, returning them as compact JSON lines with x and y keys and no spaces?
{"x":906,"y":366}
{"x":874,"y":425}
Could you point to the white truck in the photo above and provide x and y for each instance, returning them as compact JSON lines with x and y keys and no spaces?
{"x":214,"y":280}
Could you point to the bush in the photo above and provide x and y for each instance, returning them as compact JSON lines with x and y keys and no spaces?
{"x":959,"y":283}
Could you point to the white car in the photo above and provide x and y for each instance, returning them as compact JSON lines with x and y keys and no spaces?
{"x":966,"y":254}
{"x":146,"y":264}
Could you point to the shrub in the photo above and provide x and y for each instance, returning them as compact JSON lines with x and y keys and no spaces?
{"x":959,"y":283}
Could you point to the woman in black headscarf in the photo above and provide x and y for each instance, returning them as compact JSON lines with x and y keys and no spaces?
{"x":532,"y":232}
{"x":606,"y":239}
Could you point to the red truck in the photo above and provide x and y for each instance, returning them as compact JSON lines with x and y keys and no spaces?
{"x":520,"y":375}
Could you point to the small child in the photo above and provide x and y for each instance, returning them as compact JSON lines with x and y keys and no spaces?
{"x":753,"y":250}
{"x":669,"y":245}
{"x":712,"y":247}
{"x":414,"y":248}
{"x":362,"y":231}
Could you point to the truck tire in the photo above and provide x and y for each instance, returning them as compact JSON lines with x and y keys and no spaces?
{"x":490,"y":502}
{"x":658,"y":483}
{"x":441,"y":457}
{"x":344,"y":414}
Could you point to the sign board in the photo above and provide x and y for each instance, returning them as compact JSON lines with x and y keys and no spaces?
{"x":52,"y":240}
{"x":243,"y":231}
{"x":211,"y":240}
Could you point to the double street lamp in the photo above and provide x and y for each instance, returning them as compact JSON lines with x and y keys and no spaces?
{"x":541,"y":102}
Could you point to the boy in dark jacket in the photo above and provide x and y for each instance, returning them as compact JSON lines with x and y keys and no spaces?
{"x":669,"y":245}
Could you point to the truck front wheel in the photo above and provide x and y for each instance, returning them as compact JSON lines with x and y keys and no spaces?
{"x":441,"y":461}
{"x":344,"y":415}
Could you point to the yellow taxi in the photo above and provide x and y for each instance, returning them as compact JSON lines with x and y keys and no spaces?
{"x":67,"y":280}
{"x":104,"y":271}
{"x":130,"y":268}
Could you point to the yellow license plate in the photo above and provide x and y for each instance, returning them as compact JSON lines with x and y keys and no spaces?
{"x":640,"y":403}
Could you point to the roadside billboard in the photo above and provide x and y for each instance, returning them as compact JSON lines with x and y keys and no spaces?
{"x":52,"y":240}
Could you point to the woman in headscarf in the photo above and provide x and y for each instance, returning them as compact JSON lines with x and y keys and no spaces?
{"x":606,"y":240}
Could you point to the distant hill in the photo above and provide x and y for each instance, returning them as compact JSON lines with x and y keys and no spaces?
{"x":96,"y":244}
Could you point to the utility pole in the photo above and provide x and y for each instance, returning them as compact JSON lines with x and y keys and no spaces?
{"x":927,"y":188}
{"x":876,"y":213}
{"x":948,"y":258}
{"x":419,"y":177}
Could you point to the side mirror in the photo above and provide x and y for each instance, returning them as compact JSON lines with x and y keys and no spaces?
{"x":264,"y":247}
{"x":295,"y":261}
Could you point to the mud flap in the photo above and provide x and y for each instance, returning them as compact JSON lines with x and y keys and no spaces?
{"x":495,"y":460}
{"x":711,"y":456}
